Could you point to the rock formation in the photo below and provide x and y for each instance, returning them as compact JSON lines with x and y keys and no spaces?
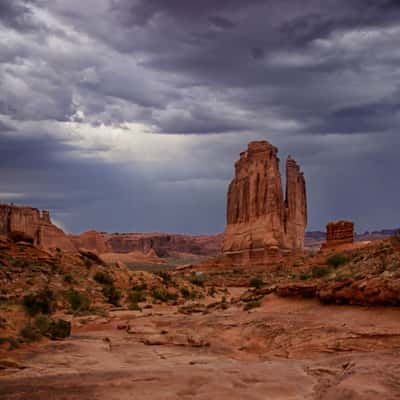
{"x":339,"y":233}
{"x":29,"y":225}
{"x":162,"y":244}
{"x":260,"y":222}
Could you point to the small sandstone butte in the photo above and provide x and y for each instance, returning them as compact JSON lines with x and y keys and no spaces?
{"x":28,"y":224}
{"x":261,"y":223}
{"x":339,"y":233}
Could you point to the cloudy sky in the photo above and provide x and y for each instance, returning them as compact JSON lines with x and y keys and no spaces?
{"x":127,"y":115}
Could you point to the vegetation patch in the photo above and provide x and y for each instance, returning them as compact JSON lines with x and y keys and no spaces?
{"x":336,"y":260}
{"x":112,"y":295}
{"x":164,"y":295}
{"x":39,"y":303}
{"x":256,"y":283}
{"x":103,"y":278}
{"x":78,"y":301}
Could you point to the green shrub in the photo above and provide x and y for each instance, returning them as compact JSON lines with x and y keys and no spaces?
{"x":185,"y":292}
{"x":59,"y":329}
{"x":42,"y":323}
{"x":29,"y":333}
{"x":103,"y":278}
{"x":78,"y":301}
{"x":256,"y":283}
{"x":68,"y":278}
{"x":136,"y":296}
{"x":164,"y":295}
{"x":197,"y":280}
{"x":39,"y":303}
{"x":165,"y":276}
{"x":140,"y":286}
{"x":320,"y":271}
{"x":304,"y":276}
{"x":112,"y":295}
{"x":336,"y":260}
{"x":134,"y":307}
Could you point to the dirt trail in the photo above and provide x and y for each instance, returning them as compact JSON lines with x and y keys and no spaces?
{"x":285,"y":349}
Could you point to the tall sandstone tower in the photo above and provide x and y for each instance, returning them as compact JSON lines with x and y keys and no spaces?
{"x":261,"y":223}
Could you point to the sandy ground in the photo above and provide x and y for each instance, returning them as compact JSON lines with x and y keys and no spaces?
{"x":285,"y":349}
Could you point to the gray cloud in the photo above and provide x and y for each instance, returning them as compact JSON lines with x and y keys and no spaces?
{"x":82,"y":81}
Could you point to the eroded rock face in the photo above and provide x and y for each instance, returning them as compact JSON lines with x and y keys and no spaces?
{"x":339,"y":233}
{"x":161,"y":244}
{"x":28,"y":224}
{"x":260,"y":222}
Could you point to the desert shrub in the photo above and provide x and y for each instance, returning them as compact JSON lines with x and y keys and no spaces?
{"x":67,"y":278}
{"x":165,"y":276}
{"x":134,"y":307}
{"x":336,"y":260}
{"x":112,"y":295}
{"x":212,"y":291}
{"x":59,"y":329}
{"x":136,"y":296}
{"x":39,"y":303}
{"x":251,"y":304}
{"x":197,"y":280}
{"x":140,"y":286}
{"x":256,"y":282}
{"x":78,"y":301}
{"x":164,"y":295}
{"x":185,"y":292}
{"x":42,"y":323}
{"x":320,"y":271}
{"x":23,"y":264}
{"x":29,"y":333}
{"x":304,"y":276}
{"x":103,"y":278}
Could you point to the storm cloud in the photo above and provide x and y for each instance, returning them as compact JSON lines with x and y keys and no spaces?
{"x":126,"y":115}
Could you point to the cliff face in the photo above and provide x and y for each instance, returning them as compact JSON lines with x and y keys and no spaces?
{"x":259,"y":220}
{"x":295,"y":205}
{"x":339,"y":233}
{"x":28,"y":224}
{"x":162,"y":244}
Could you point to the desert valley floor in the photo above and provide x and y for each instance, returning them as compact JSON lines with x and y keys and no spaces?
{"x":284,"y":349}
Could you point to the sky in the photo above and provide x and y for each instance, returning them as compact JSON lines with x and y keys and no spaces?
{"x":128,"y":115}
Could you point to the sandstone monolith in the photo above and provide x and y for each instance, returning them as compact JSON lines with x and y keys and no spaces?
{"x":261,"y":223}
{"x":339,"y":233}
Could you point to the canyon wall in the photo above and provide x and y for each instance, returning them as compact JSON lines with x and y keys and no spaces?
{"x":162,"y":244}
{"x":24,"y":223}
{"x":261,"y":223}
{"x":28,"y":224}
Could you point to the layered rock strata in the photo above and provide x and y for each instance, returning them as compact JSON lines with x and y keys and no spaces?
{"x":261,"y":223}
{"x":30,"y":225}
{"x":339,"y":233}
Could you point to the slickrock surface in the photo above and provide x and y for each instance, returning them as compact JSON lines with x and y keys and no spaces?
{"x":284,"y":349}
{"x":260,"y":222}
{"x":339,"y":233}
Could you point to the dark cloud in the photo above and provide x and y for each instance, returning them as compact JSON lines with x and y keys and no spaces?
{"x":221,"y":22}
{"x":16,"y":14}
{"x":82,"y":82}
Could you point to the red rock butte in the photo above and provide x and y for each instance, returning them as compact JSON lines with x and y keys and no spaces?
{"x":339,"y":233}
{"x":29,"y":224}
{"x":261,"y":223}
